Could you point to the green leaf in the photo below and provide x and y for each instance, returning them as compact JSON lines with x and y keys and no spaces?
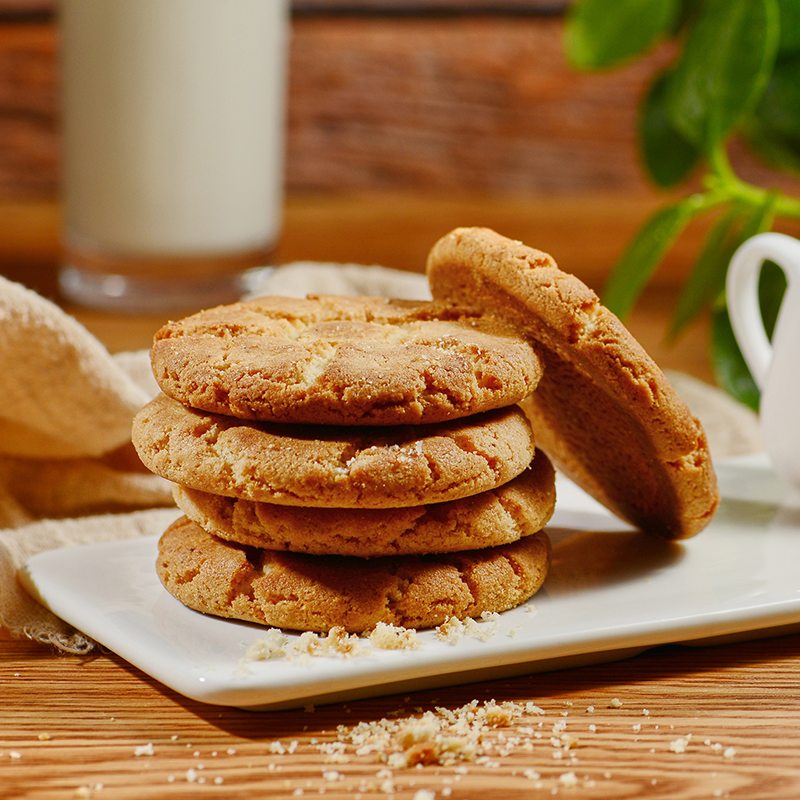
{"x":730,"y":368}
{"x":790,"y":26}
{"x":668,"y":156}
{"x":644,"y":254}
{"x":774,"y":130}
{"x":707,"y":277}
{"x":771,"y":288}
{"x":689,"y":12}
{"x":724,"y":68}
{"x":780,"y":105}
{"x":600,"y":34}
{"x":706,"y":281}
{"x":774,"y":150}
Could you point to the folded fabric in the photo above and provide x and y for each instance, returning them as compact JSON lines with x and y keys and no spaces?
{"x":63,"y":396}
{"x":66,"y":407}
{"x":19,"y":612}
{"x":68,"y":474}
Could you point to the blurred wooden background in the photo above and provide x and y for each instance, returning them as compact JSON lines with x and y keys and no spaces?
{"x":451,"y":99}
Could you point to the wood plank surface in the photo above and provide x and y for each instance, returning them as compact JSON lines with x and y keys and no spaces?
{"x":689,"y":724}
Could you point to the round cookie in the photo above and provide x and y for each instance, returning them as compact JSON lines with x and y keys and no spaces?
{"x":329,"y":466}
{"x":303,"y":592}
{"x":518,"y":508}
{"x":343,"y":361}
{"x":603,"y":411}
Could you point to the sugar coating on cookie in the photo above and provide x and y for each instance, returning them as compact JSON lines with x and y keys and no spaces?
{"x":315,"y":593}
{"x":603,"y":411}
{"x":329,"y":466}
{"x":518,"y":508}
{"x":343,"y":361}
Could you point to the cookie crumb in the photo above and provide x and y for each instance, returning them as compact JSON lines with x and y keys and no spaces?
{"x":447,"y":737}
{"x":499,"y":716}
{"x":87,"y":791}
{"x":340,"y":641}
{"x":531,"y":774}
{"x":393,"y":637}
{"x":476,"y":631}
{"x":450,"y":631}
{"x":568,"y":779}
{"x":276,"y":644}
{"x":271,"y":645}
{"x":679,"y":745}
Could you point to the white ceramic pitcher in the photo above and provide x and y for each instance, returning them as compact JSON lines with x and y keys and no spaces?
{"x":775,"y":366}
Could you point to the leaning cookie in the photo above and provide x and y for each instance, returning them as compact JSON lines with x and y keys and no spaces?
{"x":329,"y":466}
{"x":603,"y":411}
{"x":343,"y":361}
{"x":302,"y":592}
{"x":518,"y":508}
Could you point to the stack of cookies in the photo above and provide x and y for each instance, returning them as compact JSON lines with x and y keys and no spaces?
{"x":348,"y":461}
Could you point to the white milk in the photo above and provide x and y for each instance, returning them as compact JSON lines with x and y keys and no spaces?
{"x":173,"y":125}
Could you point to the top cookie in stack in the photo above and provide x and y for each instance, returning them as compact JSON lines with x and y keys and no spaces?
{"x":330,"y":430}
{"x":344,"y":361}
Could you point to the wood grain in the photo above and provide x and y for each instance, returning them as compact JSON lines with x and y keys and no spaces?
{"x":29,"y":143}
{"x":69,"y":723}
{"x":470,"y":102}
{"x":585,"y":232}
{"x":12,"y":8}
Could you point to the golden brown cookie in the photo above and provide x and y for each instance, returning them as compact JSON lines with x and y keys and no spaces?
{"x":497,"y":516}
{"x":303,"y":592}
{"x":603,"y":411}
{"x":343,"y":361}
{"x":321,"y":465}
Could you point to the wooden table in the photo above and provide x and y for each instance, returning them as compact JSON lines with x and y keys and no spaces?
{"x":673,"y":722}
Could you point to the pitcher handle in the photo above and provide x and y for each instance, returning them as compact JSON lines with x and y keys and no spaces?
{"x":742,"y":295}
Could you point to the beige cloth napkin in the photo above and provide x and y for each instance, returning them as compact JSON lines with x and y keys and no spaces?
{"x":66,"y":405}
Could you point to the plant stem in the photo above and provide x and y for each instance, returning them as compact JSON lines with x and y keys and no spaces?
{"x":722,"y":180}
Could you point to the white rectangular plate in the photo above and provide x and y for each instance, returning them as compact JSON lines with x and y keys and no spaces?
{"x":611,"y":592}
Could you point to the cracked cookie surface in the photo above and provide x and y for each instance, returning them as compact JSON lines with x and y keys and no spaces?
{"x":303,"y":592}
{"x":603,"y":411}
{"x":329,"y":466}
{"x":343,"y":361}
{"x":518,"y":508}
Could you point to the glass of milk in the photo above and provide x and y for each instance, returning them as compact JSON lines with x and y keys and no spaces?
{"x":173,"y":122}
